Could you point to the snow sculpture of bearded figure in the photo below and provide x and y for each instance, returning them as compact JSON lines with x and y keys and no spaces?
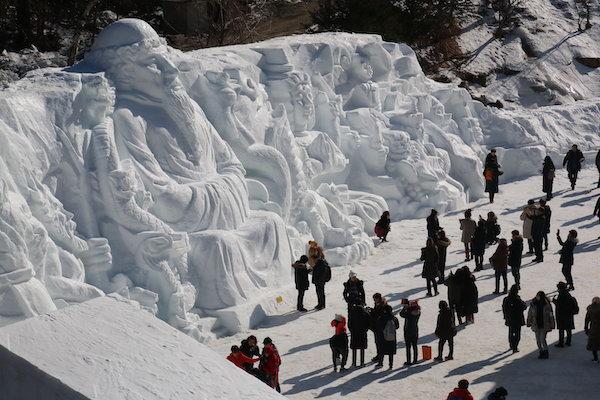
{"x":196,"y":182}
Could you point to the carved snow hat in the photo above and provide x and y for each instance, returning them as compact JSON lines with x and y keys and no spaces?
{"x":124,"y":32}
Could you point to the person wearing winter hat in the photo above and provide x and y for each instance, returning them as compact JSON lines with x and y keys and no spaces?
{"x":461,"y":392}
{"x":566,"y":309}
{"x":499,"y":394}
{"x":411,"y":312}
{"x":339,"y":343}
{"x":354,"y":291}
{"x":301,"y":270}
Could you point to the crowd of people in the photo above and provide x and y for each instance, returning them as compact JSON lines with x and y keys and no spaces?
{"x":541,"y":314}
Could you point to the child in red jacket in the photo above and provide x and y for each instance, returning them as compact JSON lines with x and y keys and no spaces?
{"x":461,"y":392}
{"x":270,"y":362}
{"x":339,"y":343}
{"x":239,"y":358}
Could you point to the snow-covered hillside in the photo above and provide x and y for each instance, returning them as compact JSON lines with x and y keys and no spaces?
{"x":546,"y":60}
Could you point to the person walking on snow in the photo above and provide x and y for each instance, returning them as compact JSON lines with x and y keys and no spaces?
{"x":566,"y":255}
{"x":540,"y":318}
{"x":597,"y":210}
{"x":469,"y":296}
{"x":445,"y":330}
{"x":433,"y":224}
{"x":388,"y":324}
{"x":411,"y":312}
{"x":512,"y":309}
{"x":430,"y":258}
{"x":491,"y":173}
{"x":566,"y":309}
{"x":358,"y":324}
{"x":270,"y":363}
{"x":529,"y":212}
{"x":573,"y":161}
{"x":548,"y":174}
{"x":499,"y":261}
{"x":239,"y":359}
{"x":592,"y":327}
{"x":321,"y":275}
{"x":383,"y":226}
{"x":442,"y":242}
{"x":515,"y":255}
{"x":478,"y":244}
{"x":453,"y":283}
{"x":467,"y":226}
{"x":339,"y":343}
{"x":547,"y":211}
{"x":461,"y":392}
{"x":301,"y":271}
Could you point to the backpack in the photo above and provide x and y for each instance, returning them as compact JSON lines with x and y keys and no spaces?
{"x":389,"y":332}
{"x":326,"y":271}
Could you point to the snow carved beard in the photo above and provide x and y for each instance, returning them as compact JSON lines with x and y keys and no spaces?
{"x":182,"y":110}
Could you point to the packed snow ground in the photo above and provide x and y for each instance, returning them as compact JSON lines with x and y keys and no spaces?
{"x":481,"y":350}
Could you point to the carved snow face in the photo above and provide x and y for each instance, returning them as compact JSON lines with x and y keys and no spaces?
{"x":361,"y":70}
{"x":374,"y":154}
{"x":94,"y":102}
{"x":223,"y":86}
{"x":152,"y":73}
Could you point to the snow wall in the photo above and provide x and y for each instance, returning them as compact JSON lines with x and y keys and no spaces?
{"x":109,"y":348}
{"x":189,"y":181}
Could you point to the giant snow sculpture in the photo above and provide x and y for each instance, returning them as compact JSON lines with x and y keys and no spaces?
{"x":189,"y":181}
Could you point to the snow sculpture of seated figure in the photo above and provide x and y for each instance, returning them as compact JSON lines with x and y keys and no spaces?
{"x":21,"y":293}
{"x":265,"y":166}
{"x":196,"y":182}
{"x":144,"y":246}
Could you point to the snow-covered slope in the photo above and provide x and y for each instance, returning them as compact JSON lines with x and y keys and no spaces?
{"x":546,"y":60}
{"x":110,"y":348}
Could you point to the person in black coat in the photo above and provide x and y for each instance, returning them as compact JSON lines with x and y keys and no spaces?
{"x":538,"y":231}
{"x":499,"y":394}
{"x":430,"y":258}
{"x":383,"y":226}
{"x":441,"y":243}
{"x":566,"y":255}
{"x":454,"y":292}
{"x":491,"y":173}
{"x":411,"y":312}
{"x":548,"y":174}
{"x":566,"y":309}
{"x":513,"y":308}
{"x":385,"y":322}
{"x":598,"y":166}
{"x":379,"y":304}
{"x":319,"y":279}
{"x":597,"y":209}
{"x":572,"y":162}
{"x":478,"y":244}
{"x":433,"y":224}
{"x":515,"y":255}
{"x":547,"y":211}
{"x":354,"y":291}
{"x":249,"y":347}
{"x":301,"y":271}
{"x":492,"y":229}
{"x":358,"y":324}
{"x":445,"y":330}
{"x":469,"y":295}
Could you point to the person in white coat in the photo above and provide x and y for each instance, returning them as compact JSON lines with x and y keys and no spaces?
{"x":527,"y":217}
{"x":540,"y":318}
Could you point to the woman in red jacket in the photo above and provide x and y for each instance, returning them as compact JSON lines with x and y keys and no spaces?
{"x":339,"y":343}
{"x":270,"y":362}
{"x":240,"y":359}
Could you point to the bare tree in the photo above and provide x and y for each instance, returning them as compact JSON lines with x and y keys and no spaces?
{"x":507,"y":13}
{"x":235,"y":21}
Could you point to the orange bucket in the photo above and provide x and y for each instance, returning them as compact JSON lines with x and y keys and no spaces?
{"x":426,"y":352}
